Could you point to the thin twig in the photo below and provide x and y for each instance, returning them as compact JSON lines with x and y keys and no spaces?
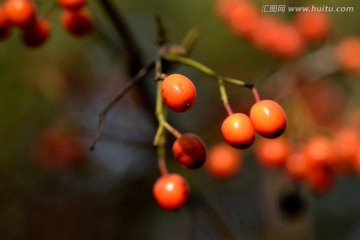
{"x":142,"y":73}
{"x":123,"y":30}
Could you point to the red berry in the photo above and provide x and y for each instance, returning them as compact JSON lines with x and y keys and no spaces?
{"x":296,"y":165}
{"x":346,"y":144}
{"x":268,"y":118}
{"x":20,"y":12}
{"x":77,"y":22}
{"x":319,"y":151}
{"x":238,"y":131}
{"x":313,"y":26}
{"x":72,"y":4}
{"x":36,"y":34}
{"x":178,"y":92}
{"x":272,"y":153}
{"x":348,"y":54}
{"x":58,"y":148}
{"x":242,"y":19}
{"x":171,"y":191}
{"x":265,"y":33}
{"x":289,"y":43}
{"x":320,"y":179}
{"x":190,"y":151}
{"x":223,"y":161}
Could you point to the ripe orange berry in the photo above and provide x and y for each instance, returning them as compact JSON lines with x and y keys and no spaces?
{"x":20,"y":12}
{"x":36,"y":34}
{"x":178,"y":92}
{"x":223,"y":161}
{"x":320,"y":179}
{"x":238,"y":131}
{"x":171,"y":191}
{"x":72,"y":4}
{"x":289,"y":43}
{"x":296,"y":165}
{"x":190,"y":151}
{"x":348,"y":54}
{"x":346,"y":144}
{"x":268,"y":118}
{"x":313,"y":26}
{"x":4,"y":24}
{"x":265,"y":33}
{"x":319,"y":151}
{"x":242,"y":19}
{"x":272,"y":153}
{"x":77,"y":22}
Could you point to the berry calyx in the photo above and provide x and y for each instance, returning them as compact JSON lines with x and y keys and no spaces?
{"x":36,"y":33}
{"x":72,"y":4}
{"x":20,"y":12}
{"x":238,"y":130}
{"x":77,"y":22}
{"x":190,"y":151}
{"x":178,"y":92}
{"x":268,"y":118}
{"x":171,"y":191}
{"x":223,"y":161}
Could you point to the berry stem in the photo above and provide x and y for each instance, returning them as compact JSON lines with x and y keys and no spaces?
{"x":224,"y":97}
{"x":162,"y":166}
{"x":255,"y":94}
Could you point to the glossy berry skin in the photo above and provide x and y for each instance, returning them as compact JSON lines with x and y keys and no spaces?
{"x":272,"y":153}
{"x":20,"y":13}
{"x":72,"y":4}
{"x":190,"y":151}
{"x":223,"y":161}
{"x":36,"y":33}
{"x":171,"y":191}
{"x":238,"y":130}
{"x":77,"y":22}
{"x":178,"y":92}
{"x":268,"y":118}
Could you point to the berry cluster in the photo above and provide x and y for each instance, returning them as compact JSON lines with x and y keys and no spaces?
{"x":271,"y":34}
{"x":178,"y":93}
{"x":75,"y":17}
{"x":315,"y":161}
{"x":35,"y":29}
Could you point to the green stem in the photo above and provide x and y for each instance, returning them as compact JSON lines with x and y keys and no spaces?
{"x":224,"y":96}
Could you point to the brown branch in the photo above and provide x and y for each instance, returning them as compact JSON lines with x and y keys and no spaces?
{"x":130,"y":84}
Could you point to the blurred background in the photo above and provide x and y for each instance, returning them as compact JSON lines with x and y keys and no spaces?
{"x":53,"y":187}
